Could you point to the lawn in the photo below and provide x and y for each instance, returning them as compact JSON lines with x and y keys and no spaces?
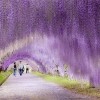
{"x":4,"y":76}
{"x":72,"y":85}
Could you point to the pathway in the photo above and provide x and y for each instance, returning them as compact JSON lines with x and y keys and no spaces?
{"x":30,"y":87}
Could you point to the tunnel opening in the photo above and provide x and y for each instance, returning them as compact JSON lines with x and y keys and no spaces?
{"x":26,"y":64}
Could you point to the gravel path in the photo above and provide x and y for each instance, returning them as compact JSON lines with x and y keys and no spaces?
{"x":30,"y":87}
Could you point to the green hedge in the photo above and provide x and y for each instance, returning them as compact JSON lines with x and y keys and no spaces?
{"x":72,"y":85}
{"x":4,"y":76}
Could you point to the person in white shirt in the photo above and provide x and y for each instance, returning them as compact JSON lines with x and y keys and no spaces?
{"x":20,"y":68}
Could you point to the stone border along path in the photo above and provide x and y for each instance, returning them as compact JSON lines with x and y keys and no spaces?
{"x":30,"y":87}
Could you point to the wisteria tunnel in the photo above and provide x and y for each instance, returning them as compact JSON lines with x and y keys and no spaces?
{"x":52,"y":34}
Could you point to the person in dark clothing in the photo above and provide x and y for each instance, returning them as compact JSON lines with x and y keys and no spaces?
{"x":15,"y":69}
{"x":27,"y":70}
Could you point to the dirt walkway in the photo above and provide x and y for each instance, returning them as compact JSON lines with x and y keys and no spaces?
{"x":30,"y":87}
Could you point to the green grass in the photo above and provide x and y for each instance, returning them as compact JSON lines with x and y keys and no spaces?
{"x":4,"y":76}
{"x":72,"y":85}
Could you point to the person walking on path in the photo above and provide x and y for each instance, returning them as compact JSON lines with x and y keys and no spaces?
{"x":27,"y":70}
{"x":20,"y":69}
{"x":15,"y":69}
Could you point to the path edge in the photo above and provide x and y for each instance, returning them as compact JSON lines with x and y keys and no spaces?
{"x":5,"y":80}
